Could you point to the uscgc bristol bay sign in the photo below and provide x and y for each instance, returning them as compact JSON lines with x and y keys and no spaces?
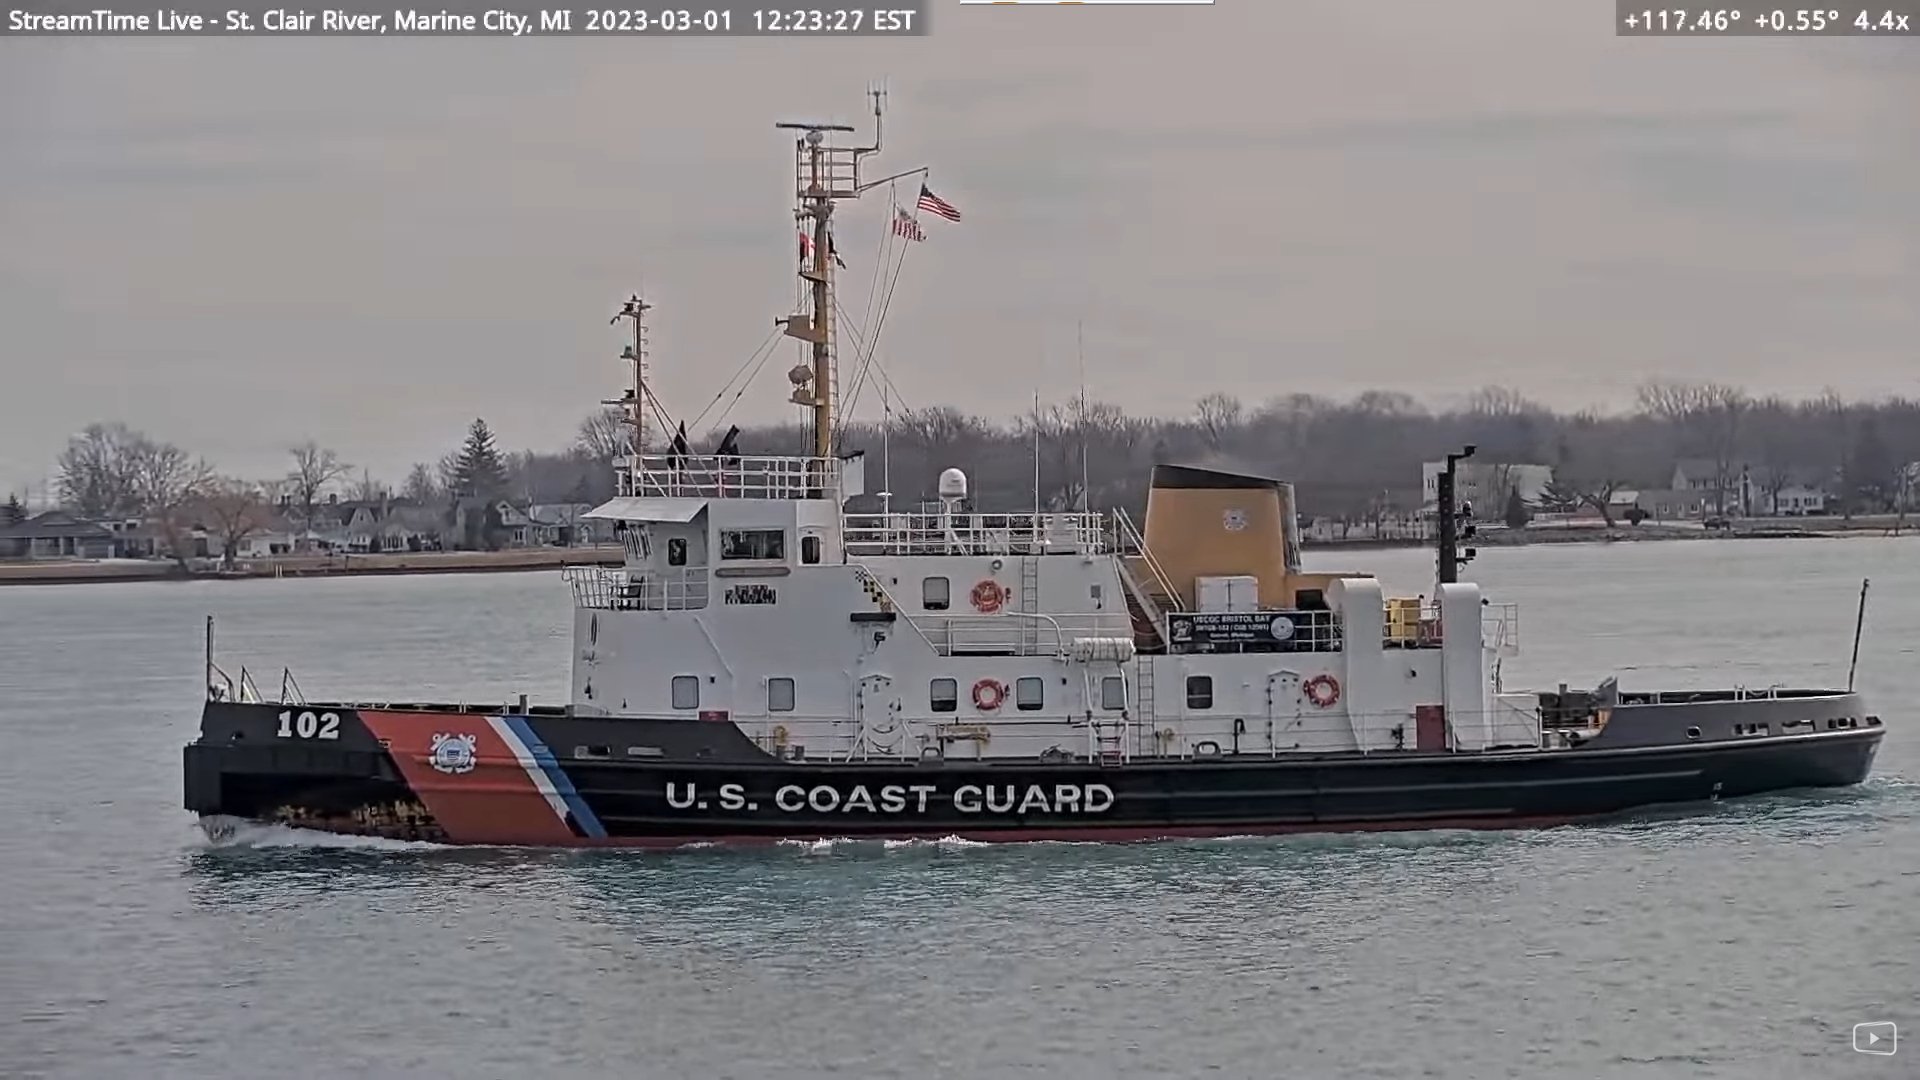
{"x":901,"y":798}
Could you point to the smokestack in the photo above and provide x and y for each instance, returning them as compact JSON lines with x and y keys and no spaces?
{"x":1210,"y":523}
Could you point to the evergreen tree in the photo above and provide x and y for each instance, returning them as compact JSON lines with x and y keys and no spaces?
{"x":12,"y":513}
{"x":1517,"y":513}
{"x":477,"y":471}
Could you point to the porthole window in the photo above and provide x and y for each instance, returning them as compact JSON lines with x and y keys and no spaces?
{"x":1029,"y":694}
{"x":686,"y":691}
{"x":936,"y":593}
{"x":780,"y":694}
{"x":1199,"y":691}
{"x":943,"y":695}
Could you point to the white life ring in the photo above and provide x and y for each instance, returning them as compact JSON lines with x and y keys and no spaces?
{"x":987,"y":596}
{"x":1323,"y":690}
{"x":989,"y":694}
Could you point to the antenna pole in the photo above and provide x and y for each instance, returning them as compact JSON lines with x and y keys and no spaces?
{"x":209,"y":678}
{"x":1036,"y":457}
{"x":819,"y":204}
{"x":635,"y":400}
{"x":1080,"y":346}
{"x":824,"y":174}
{"x":886,"y":452}
{"x":1859,"y":623}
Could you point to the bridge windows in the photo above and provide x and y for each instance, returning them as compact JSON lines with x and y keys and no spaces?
{"x":686,"y":691}
{"x":1113,"y":692}
{"x":1029,"y":693}
{"x":764,"y":544}
{"x":936,"y":594}
{"x":944,"y":695}
{"x":1199,"y":691}
{"x":779,"y":694}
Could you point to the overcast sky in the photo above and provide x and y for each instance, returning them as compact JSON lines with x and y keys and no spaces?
{"x":237,"y":244}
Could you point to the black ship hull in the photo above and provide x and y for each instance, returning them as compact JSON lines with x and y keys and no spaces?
{"x":550,"y":778}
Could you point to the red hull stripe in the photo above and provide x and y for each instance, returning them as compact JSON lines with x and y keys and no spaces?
{"x":470,"y":779}
{"x":1112,"y":834}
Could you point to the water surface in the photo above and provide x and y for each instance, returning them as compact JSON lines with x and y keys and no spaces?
{"x":1743,"y":941}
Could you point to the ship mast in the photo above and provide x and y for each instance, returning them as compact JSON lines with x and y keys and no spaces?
{"x":634,"y":401}
{"x":824,"y":174}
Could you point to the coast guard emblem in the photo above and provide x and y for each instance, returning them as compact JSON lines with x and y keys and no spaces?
{"x":452,"y":753}
{"x":1234,"y":520}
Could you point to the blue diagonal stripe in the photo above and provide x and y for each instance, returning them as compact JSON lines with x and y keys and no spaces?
{"x":556,"y":776}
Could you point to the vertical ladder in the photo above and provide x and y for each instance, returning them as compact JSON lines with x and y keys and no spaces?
{"x":1110,"y":740}
{"x":1143,"y":723}
{"x":1030,"y":604}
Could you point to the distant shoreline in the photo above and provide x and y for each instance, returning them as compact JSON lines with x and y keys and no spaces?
{"x":520,"y":559}
{"x":1501,"y":536}
{"x":426,"y":562}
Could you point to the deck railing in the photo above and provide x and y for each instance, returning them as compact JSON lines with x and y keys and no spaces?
{"x":1500,"y":628}
{"x":1012,"y":633}
{"x":710,"y":476}
{"x":604,"y":588}
{"x":974,"y":534}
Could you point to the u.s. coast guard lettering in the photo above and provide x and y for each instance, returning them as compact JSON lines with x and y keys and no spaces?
{"x":900,"y":798}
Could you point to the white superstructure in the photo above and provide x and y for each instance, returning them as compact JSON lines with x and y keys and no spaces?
{"x":749,"y":595}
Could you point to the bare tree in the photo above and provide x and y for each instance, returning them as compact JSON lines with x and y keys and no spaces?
{"x":314,"y":467}
{"x":421,"y":487}
{"x":940,"y":425}
{"x":99,"y":471}
{"x":232,"y":510}
{"x":112,"y":470}
{"x":1500,"y":401}
{"x":1218,"y":416}
{"x":1592,"y":473}
{"x":170,"y":486}
{"x":604,"y":435}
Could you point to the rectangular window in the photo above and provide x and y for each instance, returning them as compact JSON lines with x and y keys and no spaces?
{"x":753,"y":544}
{"x":809,"y":549}
{"x":1029,"y":693}
{"x":780,"y":695}
{"x":935,"y":594}
{"x":1199,"y":691}
{"x":944,"y":695}
{"x":677,"y":551}
{"x":686,"y":691}
{"x":1113,"y":692}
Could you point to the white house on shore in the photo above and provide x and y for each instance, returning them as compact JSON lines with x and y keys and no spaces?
{"x":1746,"y":490}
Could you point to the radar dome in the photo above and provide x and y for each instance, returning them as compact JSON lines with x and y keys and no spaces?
{"x":953,"y":484}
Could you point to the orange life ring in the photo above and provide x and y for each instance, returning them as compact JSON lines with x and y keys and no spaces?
{"x":989,"y":695}
{"x":1322,"y":690}
{"x":988,"y":596}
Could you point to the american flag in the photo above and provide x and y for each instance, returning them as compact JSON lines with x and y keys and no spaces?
{"x":934,"y":204}
{"x":904,"y":225}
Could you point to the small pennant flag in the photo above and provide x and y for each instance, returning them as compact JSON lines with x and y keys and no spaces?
{"x":833,"y":252}
{"x":934,"y":204}
{"x":904,"y":225}
{"x":806,"y":245}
